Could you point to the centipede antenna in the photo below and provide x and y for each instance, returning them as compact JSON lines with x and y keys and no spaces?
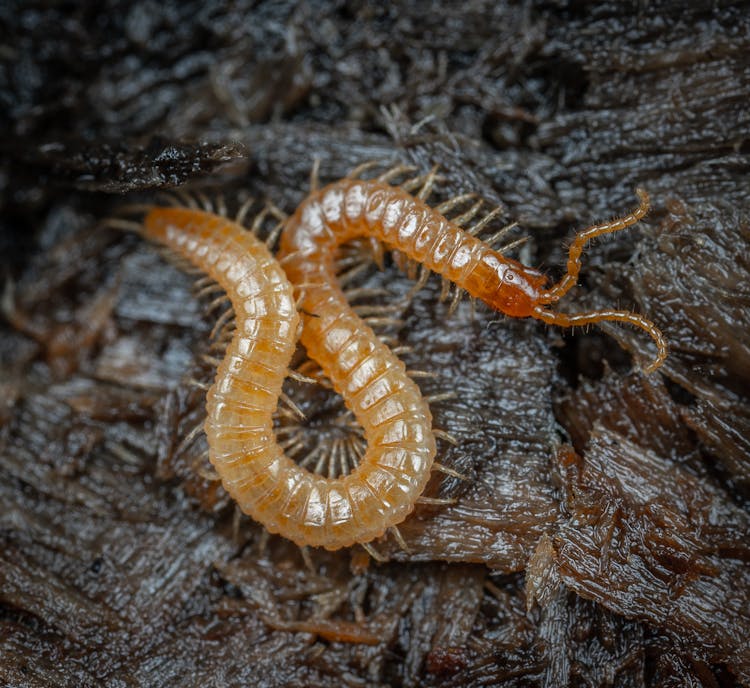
{"x":570,"y":278}
{"x":593,"y":317}
{"x":373,"y":552}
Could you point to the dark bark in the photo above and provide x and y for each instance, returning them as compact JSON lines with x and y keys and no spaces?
{"x":621,"y":560}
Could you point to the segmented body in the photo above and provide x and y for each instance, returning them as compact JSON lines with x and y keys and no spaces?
{"x":302,"y":506}
{"x":353,"y":207}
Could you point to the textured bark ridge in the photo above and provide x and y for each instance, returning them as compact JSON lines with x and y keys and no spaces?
{"x":602,"y":535}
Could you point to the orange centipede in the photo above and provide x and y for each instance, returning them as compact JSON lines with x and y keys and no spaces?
{"x":286,"y":498}
{"x":354,"y":207}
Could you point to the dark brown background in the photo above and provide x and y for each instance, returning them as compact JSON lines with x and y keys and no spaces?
{"x":622,"y":563}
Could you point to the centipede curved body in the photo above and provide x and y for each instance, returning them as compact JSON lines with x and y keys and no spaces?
{"x":304,"y":507}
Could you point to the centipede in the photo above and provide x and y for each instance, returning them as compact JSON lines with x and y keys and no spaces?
{"x":354,"y":207}
{"x":276,"y":302}
{"x":301,"y":505}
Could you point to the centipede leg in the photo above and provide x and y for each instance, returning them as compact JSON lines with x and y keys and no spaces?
{"x":315,"y":176}
{"x":243,"y":211}
{"x":186,"y":199}
{"x":441,"y":468}
{"x":205,"y":202}
{"x":468,"y":215}
{"x":307,"y":559}
{"x":394,"y":172}
{"x":186,"y":441}
{"x":429,"y":183}
{"x":446,"y":206}
{"x":373,"y":552}
{"x":475,"y":229}
{"x":424,"y":276}
{"x":359,"y":169}
{"x":457,"y":295}
{"x":435,"y":501}
{"x":400,"y":539}
{"x":446,"y":436}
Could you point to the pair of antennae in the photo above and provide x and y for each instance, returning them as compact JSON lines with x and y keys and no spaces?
{"x":570,"y":279}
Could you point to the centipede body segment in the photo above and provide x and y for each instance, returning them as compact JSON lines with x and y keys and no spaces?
{"x":352,"y":208}
{"x":300,"y":505}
